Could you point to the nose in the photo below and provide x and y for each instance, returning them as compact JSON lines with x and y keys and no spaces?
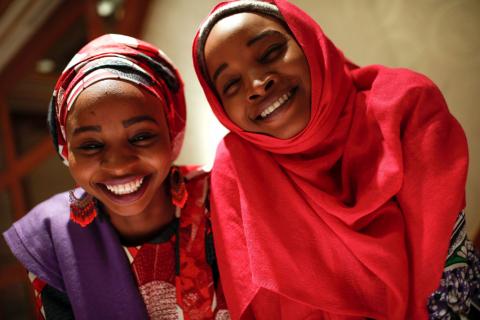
{"x":118,"y":160}
{"x":260,"y":87}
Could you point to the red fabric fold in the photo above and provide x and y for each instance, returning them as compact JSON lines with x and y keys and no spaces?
{"x":351,"y":217}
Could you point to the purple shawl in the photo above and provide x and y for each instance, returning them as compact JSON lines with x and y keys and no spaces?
{"x":88,"y":264}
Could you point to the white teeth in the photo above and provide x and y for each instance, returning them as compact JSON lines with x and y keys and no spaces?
{"x":274,"y":106}
{"x":121,"y":189}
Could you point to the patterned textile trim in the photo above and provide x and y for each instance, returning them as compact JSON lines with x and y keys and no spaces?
{"x":458,"y":295}
{"x":50,"y":303}
{"x":38,"y":286}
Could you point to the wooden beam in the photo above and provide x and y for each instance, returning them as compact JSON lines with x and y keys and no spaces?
{"x":4,"y":5}
{"x":12,"y":274}
{"x":38,"y":45}
{"x":95,"y":27}
{"x":54,"y":27}
{"x":133,"y":17}
{"x":18,"y":167}
{"x":7,"y":132}
{"x":17,"y":197}
{"x":26,"y":163}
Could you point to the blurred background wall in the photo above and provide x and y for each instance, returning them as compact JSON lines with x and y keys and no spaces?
{"x":440,"y":38}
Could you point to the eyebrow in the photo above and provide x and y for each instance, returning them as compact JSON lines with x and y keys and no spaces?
{"x":86,"y":129}
{"x":218,"y":71}
{"x":132,"y":121}
{"x":262,"y":35}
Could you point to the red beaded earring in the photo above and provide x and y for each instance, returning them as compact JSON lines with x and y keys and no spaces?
{"x":178,"y":189}
{"x":82,"y":210}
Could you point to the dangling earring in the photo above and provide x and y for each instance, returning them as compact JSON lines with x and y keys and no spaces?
{"x":178,"y":190}
{"x":82,"y":210}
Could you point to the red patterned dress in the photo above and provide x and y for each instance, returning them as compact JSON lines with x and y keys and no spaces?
{"x":176,"y":271}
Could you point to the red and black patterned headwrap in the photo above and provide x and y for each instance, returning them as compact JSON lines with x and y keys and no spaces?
{"x":114,"y":56}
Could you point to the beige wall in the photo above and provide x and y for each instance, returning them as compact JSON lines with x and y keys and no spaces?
{"x":172,"y":25}
{"x":440,"y":38}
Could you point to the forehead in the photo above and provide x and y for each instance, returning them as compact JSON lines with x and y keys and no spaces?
{"x":237,"y":29}
{"x":112,"y":97}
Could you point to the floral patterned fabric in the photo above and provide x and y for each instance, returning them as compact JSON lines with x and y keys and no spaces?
{"x":458,"y":296}
{"x":175,"y":277}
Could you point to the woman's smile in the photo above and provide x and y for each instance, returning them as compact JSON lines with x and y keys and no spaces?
{"x":125,"y":190}
{"x":276,"y":108}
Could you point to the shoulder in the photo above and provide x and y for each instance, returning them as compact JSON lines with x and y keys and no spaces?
{"x":386,"y":86}
{"x":378,"y":77}
{"x":398,"y":95}
{"x":32,"y":239}
{"x":417,"y":100}
{"x":47,"y":214}
{"x":403,"y":76}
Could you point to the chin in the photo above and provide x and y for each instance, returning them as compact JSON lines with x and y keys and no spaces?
{"x":124,"y":211}
{"x":291,"y":132}
{"x":298,"y":123}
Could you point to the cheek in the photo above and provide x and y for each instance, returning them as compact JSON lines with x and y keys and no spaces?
{"x":160,"y":162}
{"x":306,"y":73}
{"x":229,"y":112}
{"x":159,"y":157}
{"x":80,"y":169}
{"x":298,"y":61}
{"x":79,"y":174}
{"x":234,"y":111}
{"x":303,"y":70}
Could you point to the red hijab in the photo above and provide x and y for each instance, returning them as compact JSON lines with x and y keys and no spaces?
{"x":352,"y":217}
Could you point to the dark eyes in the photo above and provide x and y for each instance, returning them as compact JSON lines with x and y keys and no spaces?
{"x":228,"y":87}
{"x":142,"y":138}
{"x":139,"y":140}
{"x":90,"y":147}
{"x":271,"y":54}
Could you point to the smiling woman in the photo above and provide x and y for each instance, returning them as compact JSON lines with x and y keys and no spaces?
{"x":122,"y":158}
{"x":339,"y":192}
{"x":122,"y":245}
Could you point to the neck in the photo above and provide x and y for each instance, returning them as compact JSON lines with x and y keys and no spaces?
{"x":142,"y":227}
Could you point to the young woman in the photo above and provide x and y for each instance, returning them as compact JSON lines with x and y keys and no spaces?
{"x":339,"y":192}
{"x":134,"y":240}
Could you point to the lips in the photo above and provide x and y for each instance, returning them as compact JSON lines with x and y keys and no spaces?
{"x":268,"y":110}
{"x":125,"y":190}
